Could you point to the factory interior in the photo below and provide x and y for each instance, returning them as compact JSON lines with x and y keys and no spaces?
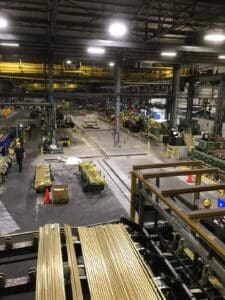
{"x":112,"y":149}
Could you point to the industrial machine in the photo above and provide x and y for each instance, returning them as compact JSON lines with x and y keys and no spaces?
{"x":64,"y":141}
{"x":92,"y":180}
{"x":148,"y":263}
{"x":211,"y":151}
{"x":181,"y":224}
{"x":65,"y":123}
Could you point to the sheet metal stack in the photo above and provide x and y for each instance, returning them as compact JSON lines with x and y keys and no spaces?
{"x":50,"y":276}
{"x":114,"y":268}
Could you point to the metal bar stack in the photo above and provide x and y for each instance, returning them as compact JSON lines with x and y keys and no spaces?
{"x":50,"y":276}
{"x":115,"y":269}
{"x":72,"y":261}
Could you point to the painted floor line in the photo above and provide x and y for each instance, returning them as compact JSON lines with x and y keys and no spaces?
{"x":7,"y":224}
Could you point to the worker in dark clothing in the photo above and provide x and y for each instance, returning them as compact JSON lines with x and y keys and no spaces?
{"x":19,"y":152}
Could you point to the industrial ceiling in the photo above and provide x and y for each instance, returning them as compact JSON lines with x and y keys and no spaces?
{"x":64,"y":28}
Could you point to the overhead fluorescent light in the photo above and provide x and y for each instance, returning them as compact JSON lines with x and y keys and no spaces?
{"x":3,"y":23}
{"x":214,"y":37}
{"x":118,"y":29}
{"x":111,"y":64}
{"x":96,"y":50}
{"x":221,"y":56}
{"x":69,"y":62}
{"x":9,"y":44}
{"x":168,"y":53}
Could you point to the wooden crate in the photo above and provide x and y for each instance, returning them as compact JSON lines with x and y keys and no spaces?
{"x":60,"y":193}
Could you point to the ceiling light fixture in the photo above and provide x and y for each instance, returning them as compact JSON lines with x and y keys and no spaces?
{"x":96,"y":50}
{"x":221,"y":56}
{"x":69,"y":62}
{"x":9,"y":44}
{"x":168,"y":53}
{"x":117,"y":29}
{"x":215,"y":37}
{"x":3,"y":23}
{"x":111,"y":64}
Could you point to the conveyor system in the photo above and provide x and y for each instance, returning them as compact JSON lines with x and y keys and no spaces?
{"x":209,"y":159}
{"x":116,"y":260}
{"x":195,"y":230}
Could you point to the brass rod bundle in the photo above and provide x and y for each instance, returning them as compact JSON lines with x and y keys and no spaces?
{"x":50,"y":275}
{"x":114,"y":268}
{"x":72,"y":261}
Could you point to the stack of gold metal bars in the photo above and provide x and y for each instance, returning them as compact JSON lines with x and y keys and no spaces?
{"x":114,"y":268}
{"x":42,"y":177}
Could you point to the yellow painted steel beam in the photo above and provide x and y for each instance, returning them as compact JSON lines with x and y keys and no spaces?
{"x":56,"y":86}
{"x":85,"y":71}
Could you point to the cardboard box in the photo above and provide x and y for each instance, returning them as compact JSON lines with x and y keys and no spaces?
{"x":60,"y":193}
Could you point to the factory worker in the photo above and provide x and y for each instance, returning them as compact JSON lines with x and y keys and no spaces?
{"x":19,"y":152}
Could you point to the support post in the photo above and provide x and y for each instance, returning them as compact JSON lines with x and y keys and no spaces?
{"x":175,"y":93}
{"x":190,"y":98}
{"x":140,"y":205}
{"x":198,"y":180}
{"x":133,"y":197}
{"x":51,"y":99}
{"x":220,"y":108}
{"x":117,"y":98}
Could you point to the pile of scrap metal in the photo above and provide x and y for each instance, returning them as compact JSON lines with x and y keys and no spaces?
{"x":132,"y":121}
{"x":5,"y":164}
{"x":211,"y":151}
{"x":156,"y":127}
{"x":43,"y":177}
{"x":92,"y":180}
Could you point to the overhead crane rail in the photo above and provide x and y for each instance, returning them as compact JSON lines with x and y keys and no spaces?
{"x":32,"y":70}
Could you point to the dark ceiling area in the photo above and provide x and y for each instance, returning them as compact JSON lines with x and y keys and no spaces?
{"x":64,"y":28}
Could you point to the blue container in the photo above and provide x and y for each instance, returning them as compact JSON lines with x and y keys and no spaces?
{"x":221,"y":203}
{"x":156,"y":115}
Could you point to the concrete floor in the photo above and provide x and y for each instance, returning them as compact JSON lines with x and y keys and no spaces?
{"x":20,"y":201}
{"x":26,"y":208}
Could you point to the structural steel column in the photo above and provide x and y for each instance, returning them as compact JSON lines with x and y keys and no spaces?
{"x":174,"y":98}
{"x":117,"y":99}
{"x":51,"y":99}
{"x":190,"y":98}
{"x":220,"y":108}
